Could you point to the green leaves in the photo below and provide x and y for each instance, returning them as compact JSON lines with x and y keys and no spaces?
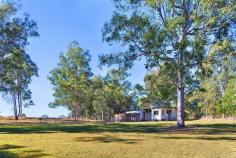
{"x":16,"y":66}
{"x":71,"y":78}
{"x":188,"y":38}
{"x":160,"y":86}
{"x":16,"y":74}
{"x":86,"y":95}
{"x":228,"y":104}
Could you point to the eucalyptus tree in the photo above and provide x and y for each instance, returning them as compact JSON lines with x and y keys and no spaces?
{"x":16,"y":67}
{"x":116,"y":91}
{"x":99,"y":106}
{"x":71,"y":80}
{"x":160,"y":87}
{"x":7,"y":10}
{"x":109,"y":95}
{"x":178,"y":34}
{"x":211,"y":96}
{"x":208,"y":97}
{"x":137,"y":92}
{"x":224,"y":66}
{"x":228,"y":105}
{"x":14,"y":31}
{"x":18,"y":70}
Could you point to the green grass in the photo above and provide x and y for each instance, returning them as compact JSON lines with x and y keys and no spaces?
{"x":202,"y":139}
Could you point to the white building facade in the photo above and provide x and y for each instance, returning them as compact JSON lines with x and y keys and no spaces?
{"x":153,"y":114}
{"x":161,"y":114}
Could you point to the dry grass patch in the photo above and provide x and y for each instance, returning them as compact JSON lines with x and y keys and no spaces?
{"x":202,"y":139}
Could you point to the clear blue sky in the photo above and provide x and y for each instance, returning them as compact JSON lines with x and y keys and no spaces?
{"x":60,"y":22}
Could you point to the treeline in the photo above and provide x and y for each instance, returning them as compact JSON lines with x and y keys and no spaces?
{"x":216,"y":95}
{"x":87,"y":95}
{"x":212,"y":95}
{"x":91,"y":96}
{"x":186,"y":39}
{"x":16,"y":66}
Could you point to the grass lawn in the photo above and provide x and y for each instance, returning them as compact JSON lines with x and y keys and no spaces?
{"x":201,"y":139}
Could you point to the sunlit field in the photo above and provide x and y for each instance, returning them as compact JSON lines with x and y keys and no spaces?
{"x":119,"y":140}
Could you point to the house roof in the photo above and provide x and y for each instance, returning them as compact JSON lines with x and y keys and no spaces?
{"x":162,"y":105}
{"x":160,"y":108}
{"x":133,"y":112}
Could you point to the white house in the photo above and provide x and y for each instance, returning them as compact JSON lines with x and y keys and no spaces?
{"x":160,"y":114}
{"x":151,"y":114}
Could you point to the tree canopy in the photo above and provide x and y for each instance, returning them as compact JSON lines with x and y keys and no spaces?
{"x":84,"y":94}
{"x":181,"y":35}
{"x":16,"y":66}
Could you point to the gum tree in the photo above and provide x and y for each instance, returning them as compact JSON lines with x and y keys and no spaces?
{"x":71,"y":80}
{"x":16,"y":66}
{"x":175,"y":33}
{"x":17,"y":73}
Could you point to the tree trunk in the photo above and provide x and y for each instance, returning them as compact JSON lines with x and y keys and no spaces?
{"x":15,"y":107}
{"x":19,"y":101}
{"x":180,"y":101}
{"x":74,"y":117}
{"x":77,"y":113}
{"x":102,"y":116}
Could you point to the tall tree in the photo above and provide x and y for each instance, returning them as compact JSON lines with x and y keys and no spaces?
{"x":207,"y":97}
{"x":99,"y":106}
{"x":214,"y":85}
{"x":116,"y":91}
{"x":177,"y":34}
{"x":71,"y":80}
{"x":16,"y":67}
{"x":17,"y":73}
{"x":110,"y":95}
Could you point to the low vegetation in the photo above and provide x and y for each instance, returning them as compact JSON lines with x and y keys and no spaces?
{"x":202,"y":138}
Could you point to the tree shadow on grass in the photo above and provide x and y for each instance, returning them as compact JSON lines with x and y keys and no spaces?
{"x":6,"y":152}
{"x":108,"y":139}
{"x":208,"y":129}
{"x":213,"y":129}
{"x":218,"y":138}
{"x":8,"y":146}
{"x":82,"y":128}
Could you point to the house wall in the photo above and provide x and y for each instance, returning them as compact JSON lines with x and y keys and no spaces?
{"x":135,"y":115}
{"x":156,"y":114}
{"x":165,"y":116}
{"x":170,"y":116}
{"x":141,"y":115}
{"x":132,"y":117}
{"x":147,"y":115}
{"x":161,"y":114}
{"x":174,"y":114}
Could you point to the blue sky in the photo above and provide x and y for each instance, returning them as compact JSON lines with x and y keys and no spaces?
{"x":60,"y":22}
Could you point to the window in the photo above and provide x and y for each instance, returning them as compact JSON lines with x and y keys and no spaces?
{"x":156,"y":112}
{"x":148,"y":110}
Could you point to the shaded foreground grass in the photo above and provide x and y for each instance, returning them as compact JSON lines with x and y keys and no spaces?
{"x":119,"y":140}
